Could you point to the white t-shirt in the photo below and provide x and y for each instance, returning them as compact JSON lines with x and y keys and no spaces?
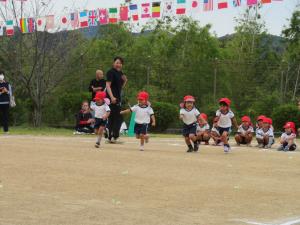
{"x":286,"y":137}
{"x":242,"y":130}
{"x":189,"y":117}
{"x":260,"y":133}
{"x":100,"y":110}
{"x":142,"y":114}
{"x":204,"y":128}
{"x":225,"y":119}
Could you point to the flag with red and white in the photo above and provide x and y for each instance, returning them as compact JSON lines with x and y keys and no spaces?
{"x":64,"y":22}
{"x":134,"y":12}
{"x":208,"y":5}
{"x":83,"y":19}
{"x":168,"y":9}
{"x":236,"y":3}
{"x":145,"y":10}
{"x":93,"y":18}
{"x":251,"y":2}
{"x":103,"y":16}
{"x":9,"y":27}
{"x":41,"y":24}
{"x":181,"y":7}
{"x":74,"y":20}
{"x":195,"y":5}
{"x":265,"y":1}
{"x":222,"y":4}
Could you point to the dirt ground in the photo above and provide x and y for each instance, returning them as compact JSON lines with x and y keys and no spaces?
{"x":66,"y":181}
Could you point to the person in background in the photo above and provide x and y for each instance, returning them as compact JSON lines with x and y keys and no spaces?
{"x":97,"y":84}
{"x":245,"y":132}
{"x":84,"y":120}
{"x":287,"y":140}
{"x":5,"y":95}
{"x":203,"y":132}
{"x":265,"y":135}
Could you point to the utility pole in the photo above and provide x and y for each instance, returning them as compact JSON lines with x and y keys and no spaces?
{"x":81,"y":70}
{"x":215,"y":78}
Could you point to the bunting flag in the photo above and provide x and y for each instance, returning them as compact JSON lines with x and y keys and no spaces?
{"x":236,"y":3}
{"x":83,"y":19}
{"x":222,"y":4}
{"x":113,"y":15}
{"x":265,"y":1}
{"x":93,"y":18}
{"x":31,"y":25}
{"x":134,"y":12}
{"x":41,"y":24}
{"x":145,"y":10}
{"x":64,"y":22}
{"x":49,"y":22}
{"x":208,"y":5}
{"x":9,"y":27}
{"x":1,"y":28}
{"x":155,"y":9}
{"x":168,"y":9}
{"x":180,"y":10}
{"x":124,"y":13}
{"x":195,"y":5}
{"x":3,"y":1}
{"x":23,"y":25}
{"x":74,"y":20}
{"x":251,"y":2}
{"x":103,"y":16}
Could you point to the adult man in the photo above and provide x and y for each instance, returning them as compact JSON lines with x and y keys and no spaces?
{"x":97,"y":84}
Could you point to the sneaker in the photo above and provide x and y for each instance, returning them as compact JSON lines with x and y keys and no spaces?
{"x":286,"y":148}
{"x":190,"y":150}
{"x":97,"y":145}
{"x":196,"y":147}
{"x":226,"y":148}
{"x":260,"y":146}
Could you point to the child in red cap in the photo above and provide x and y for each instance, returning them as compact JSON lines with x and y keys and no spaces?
{"x":144,"y":115}
{"x":225,"y":120}
{"x":265,"y":134}
{"x":245,"y":132}
{"x":189,"y":114}
{"x":203,"y":132}
{"x":102,"y":112}
{"x":287,"y":140}
{"x":215,"y":132}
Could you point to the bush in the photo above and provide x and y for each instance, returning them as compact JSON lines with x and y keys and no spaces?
{"x":284,"y":113}
{"x":165,"y":114}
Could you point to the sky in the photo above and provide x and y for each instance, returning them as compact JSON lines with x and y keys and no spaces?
{"x":276,"y":15}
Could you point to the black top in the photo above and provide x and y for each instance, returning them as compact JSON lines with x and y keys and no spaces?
{"x":115,"y":77}
{"x":82,"y":118}
{"x":97,"y":83}
{"x":4,"y":97}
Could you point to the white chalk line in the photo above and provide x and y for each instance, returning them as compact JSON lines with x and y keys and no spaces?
{"x":291,"y":222}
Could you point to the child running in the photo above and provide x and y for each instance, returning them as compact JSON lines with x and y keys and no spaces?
{"x":287,"y":140}
{"x":265,"y":135}
{"x":225,"y":120}
{"x":189,"y":115}
{"x":102,"y":112}
{"x":245,"y":132}
{"x":203,"y":132}
{"x":144,"y":115}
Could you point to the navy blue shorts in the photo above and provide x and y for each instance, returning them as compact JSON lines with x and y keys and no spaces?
{"x":100,"y":123}
{"x":222,"y":130}
{"x":189,"y":129}
{"x":141,"y":128}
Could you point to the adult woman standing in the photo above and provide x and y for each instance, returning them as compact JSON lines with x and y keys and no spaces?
{"x":5,"y":93}
{"x":115,"y":82}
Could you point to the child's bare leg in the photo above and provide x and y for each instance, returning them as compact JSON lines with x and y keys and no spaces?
{"x":224,"y":138}
{"x":189,"y":144}
{"x":248,"y":139}
{"x":206,"y":138}
{"x":260,"y":142}
{"x":237,"y":138}
{"x":266,"y":141}
{"x":142,"y":142}
{"x":146,"y":138}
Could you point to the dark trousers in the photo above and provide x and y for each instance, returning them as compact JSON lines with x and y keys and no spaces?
{"x":114,"y":121}
{"x":4,"y":113}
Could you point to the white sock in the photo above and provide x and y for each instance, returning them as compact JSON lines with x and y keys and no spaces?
{"x":99,"y":139}
{"x":142,"y":147}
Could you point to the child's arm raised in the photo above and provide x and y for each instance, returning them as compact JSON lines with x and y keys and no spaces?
{"x":125,"y":111}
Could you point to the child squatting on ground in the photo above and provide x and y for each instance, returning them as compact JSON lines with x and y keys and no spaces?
{"x":203,"y":130}
{"x":190,"y":115}
{"x":225,"y":118}
{"x":265,"y":134}
{"x":144,"y":115}
{"x":102,"y":112}
{"x":287,"y":140}
{"x":245,"y":132}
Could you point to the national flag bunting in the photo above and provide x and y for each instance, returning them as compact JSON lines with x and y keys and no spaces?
{"x":195,"y":5}
{"x":93,"y":18}
{"x":180,"y":10}
{"x":222,"y":4}
{"x":103,"y":16}
{"x":124,"y":13}
{"x":265,"y":1}
{"x":9,"y":27}
{"x":236,"y":3}
{"x":155,"y":9}
{"x":168,"y":9}
{"x":49,"y":22}
{"x":74,"y":20}
{"x":251,"y":2}
{"x":113,"y":15}
{"x":41,"y":24}
{"x":134,"y":12}
{"x":83,"y":19}
{"x":145,"y":10}
{"x":208,"y":5}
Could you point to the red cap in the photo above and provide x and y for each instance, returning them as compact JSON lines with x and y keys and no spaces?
{"x":204,"y":116}
{"x":261,"y":117}
{"x":100,"y":95}
{"x":246,"y":119}
{"x":267,"y":120}
{"x":143,"y":95}
{"x":189,"y":98}
{"x":290,"y":125}
{"x":225,"y":100}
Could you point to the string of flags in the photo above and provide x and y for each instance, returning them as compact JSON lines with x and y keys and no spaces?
{"x":124,"y":13}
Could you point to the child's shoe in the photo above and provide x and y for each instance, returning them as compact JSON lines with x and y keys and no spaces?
{"x":97,"y":145}
{"x":280,"y":148}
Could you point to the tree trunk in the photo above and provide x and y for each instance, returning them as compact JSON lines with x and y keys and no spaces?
{"x":37,"y":115}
